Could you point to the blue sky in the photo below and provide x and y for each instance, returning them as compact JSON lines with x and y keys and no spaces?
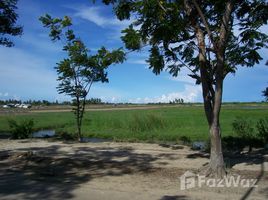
{"x":27,"y":69}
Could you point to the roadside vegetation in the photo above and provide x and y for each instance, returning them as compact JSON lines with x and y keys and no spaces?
{"x":21,"y":130}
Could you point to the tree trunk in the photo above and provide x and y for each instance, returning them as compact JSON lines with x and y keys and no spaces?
{"x":212,"y":96}
{"x":79,"y":139}
{"x":79,"y":133}
{"x":216,"y":166}
{"x":81,"y":114}
{"x":212,"y":105}
{"x":78,"y":124}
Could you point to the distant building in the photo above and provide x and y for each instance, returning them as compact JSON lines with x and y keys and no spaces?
{"x":25,"y":106}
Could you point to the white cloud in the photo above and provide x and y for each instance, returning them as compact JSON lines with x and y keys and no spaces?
{"x":113,"y":100}
{"x":110,"y":99}
{"x":190,"y":94}
{"x":94,"y":14}
{"x":16,"y":97}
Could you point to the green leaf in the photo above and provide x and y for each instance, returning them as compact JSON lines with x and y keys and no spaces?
{"x":156,"y":60}
{"x":132,"y":38}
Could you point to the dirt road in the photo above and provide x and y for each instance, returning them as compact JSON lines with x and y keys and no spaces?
{"x":38,"y":169}
{"x":106,"y":108}
{"x":52,"y":109}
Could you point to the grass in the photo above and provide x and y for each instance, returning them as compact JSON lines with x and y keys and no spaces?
{"x":163,"y":124}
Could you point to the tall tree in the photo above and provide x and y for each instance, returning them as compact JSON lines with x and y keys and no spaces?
{"x":8,"y":18}
{"x":210,"y":38}
{"x":79,"y":71}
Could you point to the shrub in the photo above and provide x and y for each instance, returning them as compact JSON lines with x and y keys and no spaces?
{"x":262,"y":127}
{"x":21,"y":130}
{"x":244,"y":129}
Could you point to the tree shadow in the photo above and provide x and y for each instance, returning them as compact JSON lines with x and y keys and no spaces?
{"x":233,"y":150}
{"x":176,"y":197}
{"x":50,"y":173}
{"x":172,"y":146}
{"x":249,"y":158}
{"x":257,"y":156}
{"x":251,"y":189}
{"x":198,"y":155}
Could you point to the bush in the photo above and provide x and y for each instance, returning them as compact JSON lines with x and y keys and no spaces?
{"x":21,"y":130}
{"x":244,"y":129}
{"x":262,"y":127}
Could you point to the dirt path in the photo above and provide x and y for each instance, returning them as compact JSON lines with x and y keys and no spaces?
{"x":52,"y":109}
{"x":57,"y":170}
{"x":146,"y":107}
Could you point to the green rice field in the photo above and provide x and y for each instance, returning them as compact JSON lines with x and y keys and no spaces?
{"x":160,"y":124}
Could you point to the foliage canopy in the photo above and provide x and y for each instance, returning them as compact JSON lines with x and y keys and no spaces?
{"x":8,"y":18}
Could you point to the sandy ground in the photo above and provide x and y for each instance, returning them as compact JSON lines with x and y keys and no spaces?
{"x":41,"y":169}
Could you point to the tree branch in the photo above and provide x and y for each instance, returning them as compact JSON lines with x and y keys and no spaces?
{"x":201,"y":14}
{"x":89,"y":84}
{"x":224,"y":26}
{"x":161,"y":6}
{"x":189,"y":68}
{"x":195,"y":25}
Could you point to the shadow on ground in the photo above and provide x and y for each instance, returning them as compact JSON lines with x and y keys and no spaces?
{"x":256,"y":157}
{"x":48,"y":173}
{"x":176,"y":197}
{"x":54,"y":173}
{"x":260,"y":159}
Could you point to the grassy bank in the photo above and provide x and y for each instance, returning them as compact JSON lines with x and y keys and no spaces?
{"x":163,"y":124}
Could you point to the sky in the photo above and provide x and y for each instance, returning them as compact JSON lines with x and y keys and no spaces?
{"x":27,"y":69}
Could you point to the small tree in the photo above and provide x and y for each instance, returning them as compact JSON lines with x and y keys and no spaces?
{"x":265,"y":94}
{"x":79,"y":71}
{"x":8,"y":19}
{"x":210,"y":38}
